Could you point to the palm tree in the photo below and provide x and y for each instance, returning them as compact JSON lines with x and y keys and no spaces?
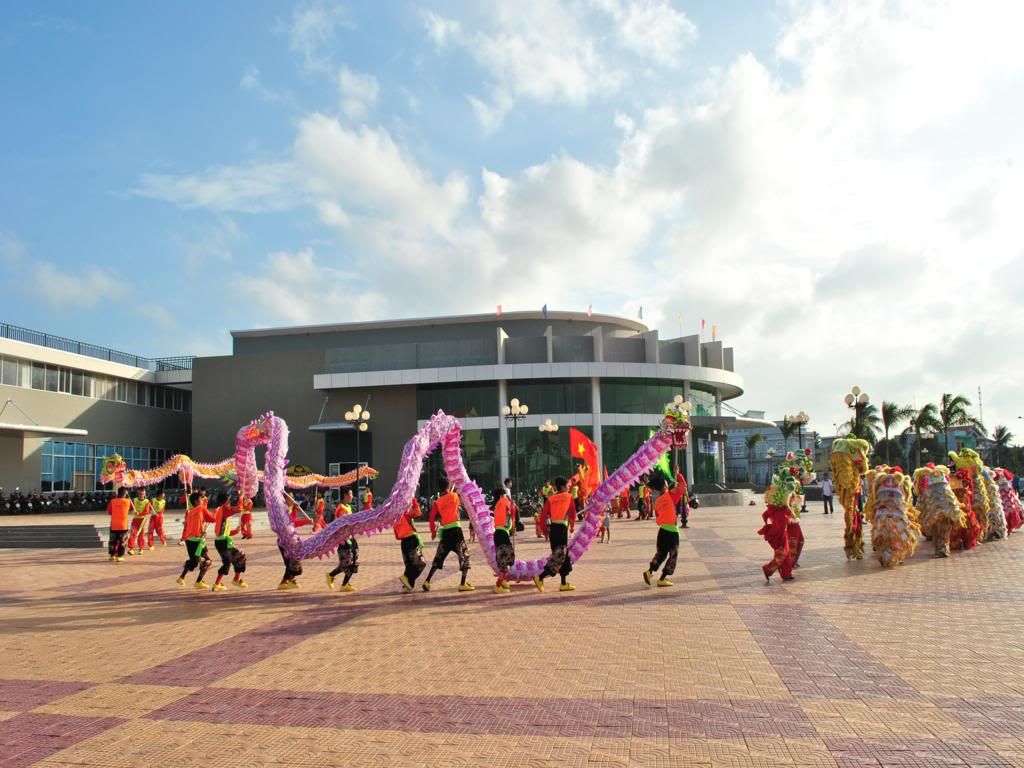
{"x":925,"y":419}
{"x":788,"y":429}
{"x":953,"y":413}
{"x":893,"y":414}
{"x":751,"y":442}
{"x":1001,"y":437}
{"x":864,"y":423}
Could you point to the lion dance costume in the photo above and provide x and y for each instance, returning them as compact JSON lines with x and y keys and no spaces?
{"x":1011,"y":504}
{"x":894,"y":526}
{"x":970,"y":494}
{"x":849,"y":463}
{"x":800,"y":466}
{"x":940,"y":511}
{"x":777,"y":517}
{"x":996,"y":514}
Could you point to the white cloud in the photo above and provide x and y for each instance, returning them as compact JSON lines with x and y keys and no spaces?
{"x":313,"y":26}
{"x":12,"y":250}
{"x":253,"y":188}
{"x":651,"y":28}
{"x":358,"y":93}
{"x":208,"y":245}
{"x":252,"y":82}
{"x":63,"y":289}
{"x":441,"y":30}
{"x":156,"y":313}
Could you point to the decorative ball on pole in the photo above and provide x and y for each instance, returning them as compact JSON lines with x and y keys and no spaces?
{"x":547,"y":429}
{"x":515,"y":411}
{"x":857,"y":400}
{"x":359,"y":418}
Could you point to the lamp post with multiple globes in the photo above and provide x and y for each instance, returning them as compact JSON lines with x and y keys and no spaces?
{"x":548,"y":428}
{"x":359,"y":418}
{"x":515,"y":412}
{"x":856,"y":400}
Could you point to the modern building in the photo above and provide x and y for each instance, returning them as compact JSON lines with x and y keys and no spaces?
{"x":607,"y":376}
{"x":65,"y":405}
{"x":755,"y":465}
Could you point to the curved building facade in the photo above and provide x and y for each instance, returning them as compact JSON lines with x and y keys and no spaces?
{"x":607,"y":376}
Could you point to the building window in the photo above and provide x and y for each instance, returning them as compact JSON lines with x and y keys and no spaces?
{"x":11,"y":372}
{"x":460,"y":400}
{"x":638,"y":396}
{"x":553,"y":395}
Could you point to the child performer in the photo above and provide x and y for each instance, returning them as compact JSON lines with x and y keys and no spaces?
{"x":118,"y":508}
{"x":230,"y":555}
{"x":196,"y":517}
{"x":605,"y":531}
{"x":624,"y":504}
{"x":452,"y":540}
{"x":156,"y":520}
{"x":665,"y":515}
{"x":368,"y":498}
{"x":140,"y":514}
{"x":318,"y":513}
{"x":504,"y":551}
{"x":560,"y":511}
{"x":348,"y":552}
{"x":246,"y":517}
{"x":412,"y":547}
{"x":775,"y":531}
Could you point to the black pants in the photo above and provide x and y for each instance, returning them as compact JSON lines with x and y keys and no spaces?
{"x":115,"y":545}
{"x":348,"y":559}
{"x":559,"y":562}
{"x":292,"y":568}
{"x":504,"y":552}
{"x":667,"y":552}
{"x":412,"y":556}
{"x":452,"y":540}
{"x":828,"y":505}
{"x":229,"y":557}
{"x":198,"y":557}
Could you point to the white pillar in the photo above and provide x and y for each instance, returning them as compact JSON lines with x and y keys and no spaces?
{"x":595,"y":401}
{"x":689,"y":443}
{"x":721,"y":445}
{"x":502,"y":431}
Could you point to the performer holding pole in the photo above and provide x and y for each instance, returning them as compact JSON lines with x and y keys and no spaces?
{"x":348,"y":552}
{"x":140,"y":516}
{"x":504,"y":538}
{"x":196,"y":518}
{"x":560,"y":511}
{"x":452,"y":539}
{"x":412,"y":547}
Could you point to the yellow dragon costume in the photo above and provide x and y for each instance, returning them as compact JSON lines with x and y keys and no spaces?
{"x":849,"y":463}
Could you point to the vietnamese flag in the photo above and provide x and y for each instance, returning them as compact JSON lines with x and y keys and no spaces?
{"x":583,"y":449}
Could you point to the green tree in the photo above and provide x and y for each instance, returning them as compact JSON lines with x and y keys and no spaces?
{"x":924,"y":419}
{"x":892,"y":415}
{"x":1001,"y":437}
{"x":751,"y":443}
{"x":953,"y":413}
{"x":864,"y":423}
{"x":788,"y":429}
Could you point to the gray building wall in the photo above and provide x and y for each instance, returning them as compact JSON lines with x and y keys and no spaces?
{"x":106,"y":421}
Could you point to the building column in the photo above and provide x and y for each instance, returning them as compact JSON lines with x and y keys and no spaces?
{"x":721,"y":444}
{"x":502,"y":431}
{"x":689,"y":443}
{"x":595,"y":403}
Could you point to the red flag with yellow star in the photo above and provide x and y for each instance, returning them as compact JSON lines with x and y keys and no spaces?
{"x":584,"y":449}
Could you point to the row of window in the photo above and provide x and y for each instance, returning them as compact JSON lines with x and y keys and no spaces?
{"x":16,"y":372}
{"x":545,"y":396}
{"x":76,"y":466}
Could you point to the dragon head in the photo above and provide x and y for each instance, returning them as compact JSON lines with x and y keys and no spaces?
{"x":930,"y":475}
{"x":113,"y":469}
{"x":967,"y":459}
{"x":676,"y":421}
{"x":856,"y":448}
{"x":784,"y":487}
{"x":800,"y":465}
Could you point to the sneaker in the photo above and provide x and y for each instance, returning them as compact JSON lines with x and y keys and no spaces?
{"x":788,"y":578}
{"x":163,"y":543}
{"x":150,"y":547}
{"x":425,"y":586}
{"x":130,"y":553}
{"x":240,"y":583}
{"x":505,"y":587}
{"x":218,"y":587}
{"x":120,"y":559}
{"x":664,"y":583}
{"x":202,"y":585}
{"x":330,"y":581}
{"x":467,"y":588}
{"x":406,"y":586}
{"x":348,"y":588}
{"x":538,"y":582}
{"x":284,"y":585}
{"x":112,"y":558}
{"x":498,"y":589}
{"x":647,"y":577}
{"x":567,"y":588}
{"x":181,"y":580}
{"x":293,"y":584}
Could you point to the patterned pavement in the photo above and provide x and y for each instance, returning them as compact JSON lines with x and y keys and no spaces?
{"x":850,"y":665}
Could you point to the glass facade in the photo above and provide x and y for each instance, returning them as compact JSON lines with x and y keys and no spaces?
{"x":480,"y":452}
{"x":703,"y":402}
{"x":619,"y":443}
{"x":15,"y":372}
{"x":707,"y":457}
{"x":541,"y":456}
{"x":638,"y":395}
{"x":553,"y":395}
{"x":76,"y":466}
{"x":461,"y":400}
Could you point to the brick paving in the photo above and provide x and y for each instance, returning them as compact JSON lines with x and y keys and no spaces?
{"x":107,"y":664}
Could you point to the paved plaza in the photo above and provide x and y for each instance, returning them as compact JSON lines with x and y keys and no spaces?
{"x":850,"y":665}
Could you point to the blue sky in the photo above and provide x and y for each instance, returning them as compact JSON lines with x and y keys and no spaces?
{"x":173,"y":172}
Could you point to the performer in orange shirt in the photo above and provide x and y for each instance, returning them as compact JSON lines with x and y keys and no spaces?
{"x":292,"y":568}
{"x":452,"y":540}
{"x":156,"y":520}
{"x":665,"y":515}
{"x":230,"y":555}
{"x":348,"y":552}
{"x":560,"y":511}
{"x":245,"y":520}
{"x":504,"y":551}
{"x":118,"y":508}
{"x":412,"y":547}
{"x":140,"y":512}
{"x":194,"y":533}
{"x":319,"y":523}
{"x":368,"y":498}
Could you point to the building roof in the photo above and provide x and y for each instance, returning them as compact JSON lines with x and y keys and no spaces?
{"x":491,"y":317}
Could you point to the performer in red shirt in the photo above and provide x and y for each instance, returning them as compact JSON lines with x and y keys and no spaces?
{"x":557,"y":520}
{"x":504,"y":551}
{"x":118,"y":508}
{"x":775,"y":530}
{"x":348,"y":552}
{"x":412,"y":546}
{"x":319,"y":523}
{"x":665,"y":515}
{"x":194,"y":534}
{"x":246,"y":518}
{"x":452,"y":540}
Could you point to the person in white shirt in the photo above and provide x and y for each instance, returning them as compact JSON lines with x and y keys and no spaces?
{"x":826,"y":494}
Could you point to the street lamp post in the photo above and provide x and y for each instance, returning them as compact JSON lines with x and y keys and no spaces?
{"x":856,"y":400}
{"x":800,"y":420}
{"x":547,"y":429}
{"x":515,"y":412}
{"x":359,"y":418}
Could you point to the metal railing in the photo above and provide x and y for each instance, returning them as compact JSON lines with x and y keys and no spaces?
{"x":48,"y":340}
